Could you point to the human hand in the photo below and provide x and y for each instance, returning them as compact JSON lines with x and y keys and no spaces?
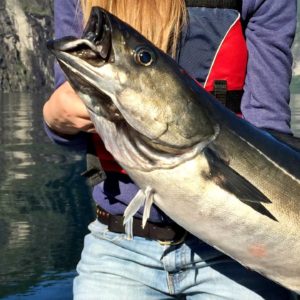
{"x":65,"y":112}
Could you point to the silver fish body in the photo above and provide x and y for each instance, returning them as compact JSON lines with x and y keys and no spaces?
{"x":225,"y":181}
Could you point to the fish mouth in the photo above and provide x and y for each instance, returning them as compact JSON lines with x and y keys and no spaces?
{"x":95,"y":45}
{"x":79,"y":58}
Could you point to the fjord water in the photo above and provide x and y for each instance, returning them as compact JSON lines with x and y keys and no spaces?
{"x":45,"y":205}
{"x":295,"y":107}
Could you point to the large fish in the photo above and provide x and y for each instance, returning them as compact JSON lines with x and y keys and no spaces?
{"x":225,"y":181}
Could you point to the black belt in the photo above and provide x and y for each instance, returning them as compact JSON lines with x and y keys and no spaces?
{"x":167,"y":234}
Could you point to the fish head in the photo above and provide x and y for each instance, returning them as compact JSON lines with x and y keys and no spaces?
{"x":123,"y":77}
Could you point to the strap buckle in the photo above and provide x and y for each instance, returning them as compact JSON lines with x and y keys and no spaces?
{"x":220,"y":90}
{"x":175,"y":242}
{"x":94,"y":176}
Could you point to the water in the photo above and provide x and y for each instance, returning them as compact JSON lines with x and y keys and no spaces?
{"x":295,"y":107}
{"x":44,"y":204}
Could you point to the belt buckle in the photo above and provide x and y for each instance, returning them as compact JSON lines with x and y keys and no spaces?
{"x":174,"y":242}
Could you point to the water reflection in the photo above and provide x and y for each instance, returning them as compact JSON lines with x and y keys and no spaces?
{"x":44,"y":204}
{"x":295,"y":106}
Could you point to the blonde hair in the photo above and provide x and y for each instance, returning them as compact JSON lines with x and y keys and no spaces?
{"x":160,"y":21}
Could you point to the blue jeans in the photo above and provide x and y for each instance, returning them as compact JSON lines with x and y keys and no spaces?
{"x":114,"y":268}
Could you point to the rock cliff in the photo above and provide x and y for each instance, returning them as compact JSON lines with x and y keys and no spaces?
{"x":25,"y":63}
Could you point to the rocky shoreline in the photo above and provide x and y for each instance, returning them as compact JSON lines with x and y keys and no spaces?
{"x":25,"y":63}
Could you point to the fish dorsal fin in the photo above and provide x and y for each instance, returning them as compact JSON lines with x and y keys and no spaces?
{"x":231,"y":181}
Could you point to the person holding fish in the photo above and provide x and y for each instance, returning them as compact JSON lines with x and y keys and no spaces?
{"x":230,"y":48}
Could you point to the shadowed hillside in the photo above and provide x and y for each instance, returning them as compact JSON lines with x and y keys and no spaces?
{"x":25,"y":26}
{"x":25,"y":63}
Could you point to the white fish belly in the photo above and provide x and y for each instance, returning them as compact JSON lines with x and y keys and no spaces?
{"x":223,"y":221}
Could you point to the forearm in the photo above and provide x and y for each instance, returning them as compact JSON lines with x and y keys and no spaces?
{"x":66,"y":119}
{"x":76,"y":142}
{"x":62,"y":112}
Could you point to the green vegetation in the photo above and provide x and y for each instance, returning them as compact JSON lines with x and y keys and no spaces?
{"x":295,"y":85}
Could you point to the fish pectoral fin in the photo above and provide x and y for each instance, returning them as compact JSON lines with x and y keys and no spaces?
{"x":228,"y":179}
{"x":148,"y":204}
{"x":132,"y":208}
{"x":140,"y":199}
{"x":135,"y":204}
{"x":231,"y":181}
{"x":261,"y":209}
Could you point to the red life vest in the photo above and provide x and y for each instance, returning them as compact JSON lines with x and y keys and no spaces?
{"x":107,"y":161}
{"x":228,"y":66}
{"x":230,"y":61}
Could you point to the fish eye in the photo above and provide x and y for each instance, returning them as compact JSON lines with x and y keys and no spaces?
{"x":144,"y":56}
